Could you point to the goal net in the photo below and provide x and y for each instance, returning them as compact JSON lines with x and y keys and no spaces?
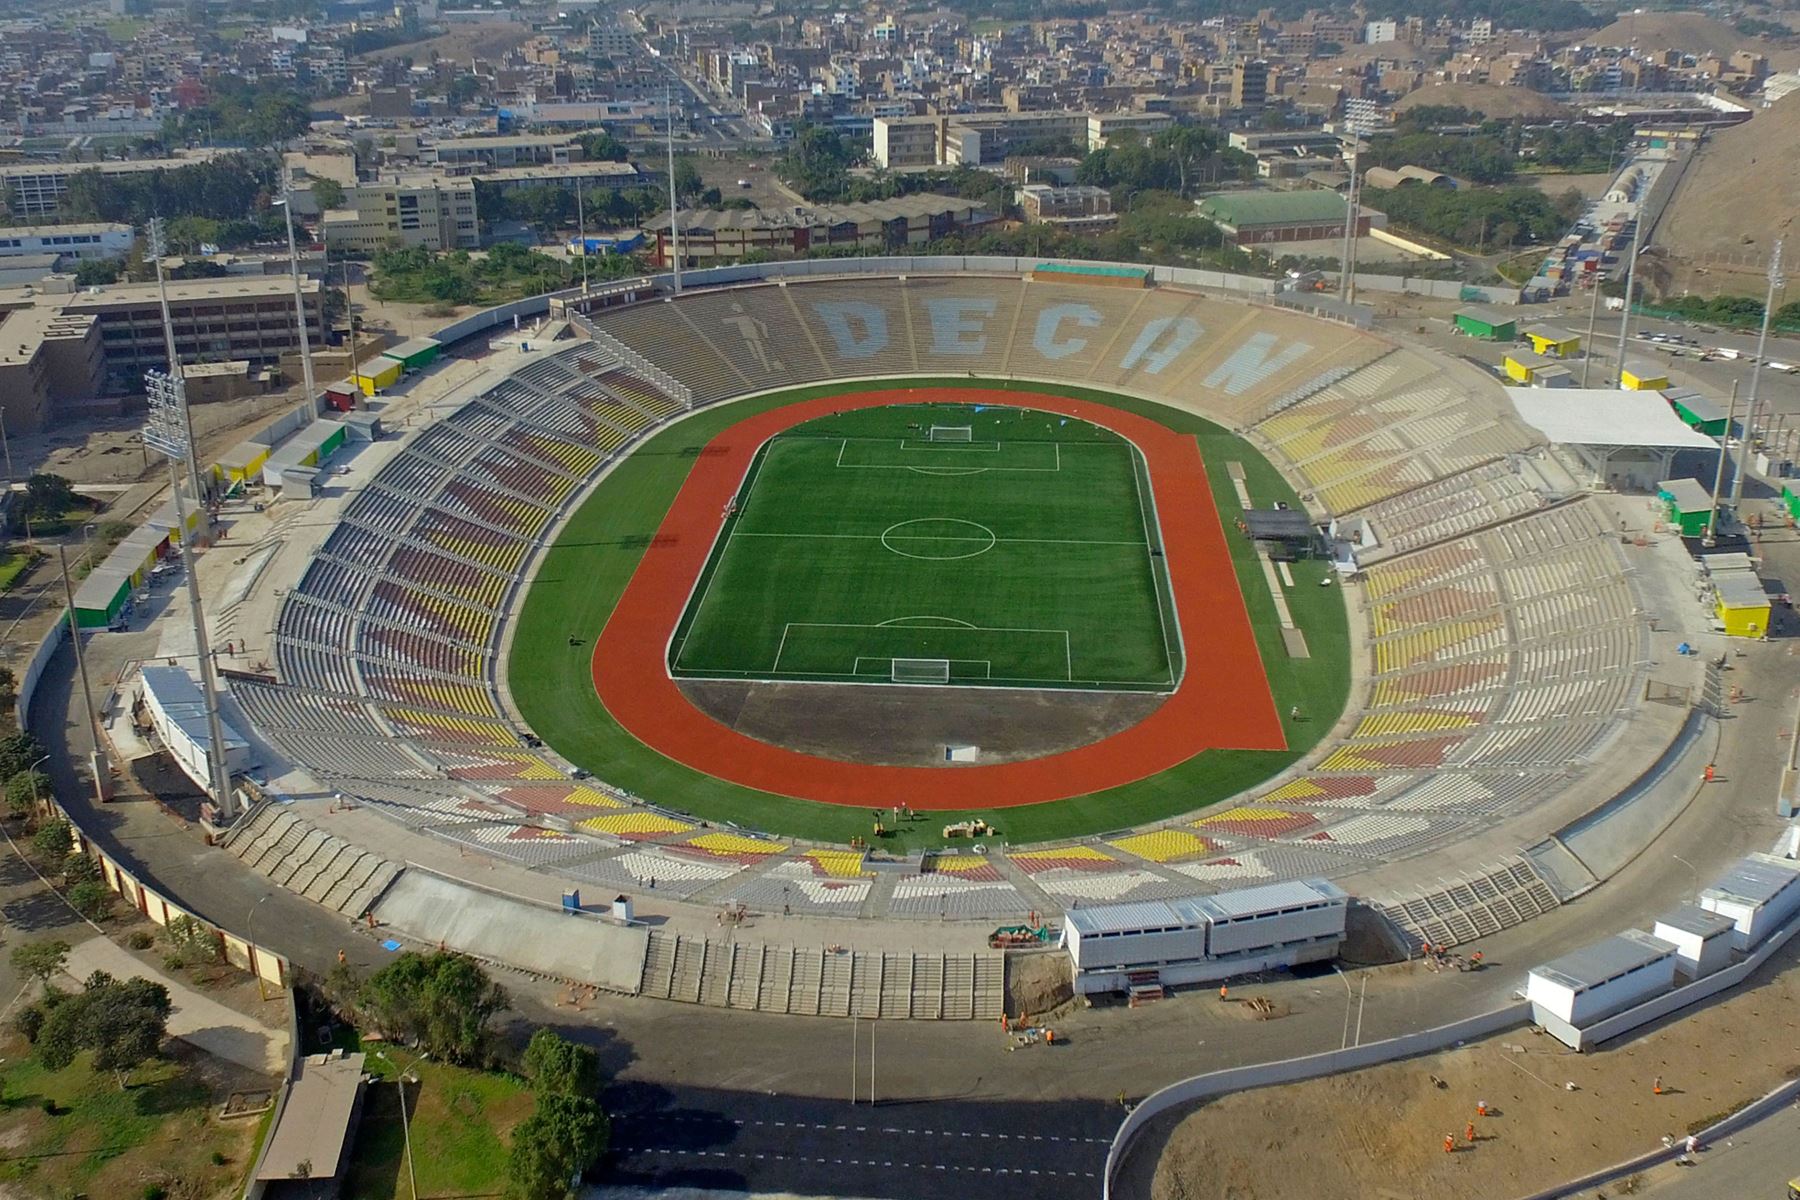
{"x":921,"y":670}
{"x":950,"y":433}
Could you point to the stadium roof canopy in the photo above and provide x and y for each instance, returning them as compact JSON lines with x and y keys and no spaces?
{"x":1607,"y":427}
{"x":1605,"y":417}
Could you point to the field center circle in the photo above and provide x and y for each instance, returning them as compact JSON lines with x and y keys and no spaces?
{"x":962,"y":543}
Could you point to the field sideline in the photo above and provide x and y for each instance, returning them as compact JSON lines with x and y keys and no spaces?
{"x":586,"y":569}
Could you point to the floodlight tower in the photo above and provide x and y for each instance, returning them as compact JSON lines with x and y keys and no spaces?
{"x":159,"y":247}
{"x":1359,"y":119}
{"x":167,"y":431}
{"x":674,"y":203}
{"x":309,"y":406}
{"x":1762,"y":343}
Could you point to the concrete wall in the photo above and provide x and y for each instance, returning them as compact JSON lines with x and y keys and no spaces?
{"x":34,"y":670}
{"x":1238,"y":1079}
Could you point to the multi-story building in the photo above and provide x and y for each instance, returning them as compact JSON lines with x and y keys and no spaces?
{"x":1103,"y":127}
{"x":1250,"y":84}
{"x":46,"y":356}
{"x":502,"y":151}
{"x":216,"y":320}
{"x":434,"y":211}
{"x":709,"y":238}
{"x":1079,"y":205}
{"x":78,"y":242}
{"x":36,"y":189}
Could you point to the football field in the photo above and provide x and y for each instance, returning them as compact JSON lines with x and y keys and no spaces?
{"x":948,"y":545}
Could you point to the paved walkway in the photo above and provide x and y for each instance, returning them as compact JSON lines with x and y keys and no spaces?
{"x":196,"y":1018}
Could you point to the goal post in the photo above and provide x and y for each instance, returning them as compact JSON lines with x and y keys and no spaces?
{"x":950,"y":433}
{"x":920,"y":670}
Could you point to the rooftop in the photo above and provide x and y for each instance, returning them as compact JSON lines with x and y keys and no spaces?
{"x":1239,"y":209}
{"x":1593,"y":965}
{"x":1691,"y":918}
{"x":231,"y":287}
{"x":1756,"y":879}
{"x":63,"y":230}
{"x":315,"y":1122}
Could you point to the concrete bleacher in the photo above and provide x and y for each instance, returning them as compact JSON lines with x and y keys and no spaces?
{"x":1506,"y":642}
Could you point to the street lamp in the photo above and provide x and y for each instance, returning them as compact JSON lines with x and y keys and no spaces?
{"x":406,"y":1076}
{"x":32,"y":773}
{"x":250,"y":941}
{"x":1349,"y":997}
{"x":306,"y":366}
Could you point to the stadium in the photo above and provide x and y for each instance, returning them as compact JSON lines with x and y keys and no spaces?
{"x":757,"y":592}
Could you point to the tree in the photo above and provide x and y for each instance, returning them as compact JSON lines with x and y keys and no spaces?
{"x":122,"y":1023}
{"x":563,"y":1137}
{"x":42,"y":961}
{"x":92,"y":899}
{"x":601,"y":146}
{"x":94,"y":272}
{"x":329,"y":193}
{"x":687,"y":177}
{"x":49,"y":495}
{"x":557,"y":1066}
{"x":23,"y":790}
{"x":443,"y":1002}
{"x":18,"y":752}
{"x":193,"y":941}
{"x":53,"y":840}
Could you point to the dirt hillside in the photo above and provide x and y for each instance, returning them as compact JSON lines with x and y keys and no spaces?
{"x":1689,"y":31}
{"x":1751,"y":171}
{"x":1487,"y":99}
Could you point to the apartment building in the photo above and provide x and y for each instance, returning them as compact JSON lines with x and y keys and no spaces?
{"x":46,"y":356}
{"x":502,"y":151}
{"x":36,"y":189}
{"x":76,"y":242}
{"x":216,"y":320}
{"x":1103,"y":127}
{"x":1076,"y":206}
{"x":435,"y":211}
{"x":709,"y":238}
{"x":976,"y":139}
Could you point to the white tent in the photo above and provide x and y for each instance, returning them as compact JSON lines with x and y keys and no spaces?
{"x":1601,"y":424}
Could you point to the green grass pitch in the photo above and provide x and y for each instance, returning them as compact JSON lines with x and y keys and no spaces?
{"x":581,"y":575}
{"x":879,"y":546}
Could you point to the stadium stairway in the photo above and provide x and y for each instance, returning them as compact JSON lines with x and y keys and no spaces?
{"x":1507,"y":894}
{"x":320,"y":866}
{"x":816,"y":981}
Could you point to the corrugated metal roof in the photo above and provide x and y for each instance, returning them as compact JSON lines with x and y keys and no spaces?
{"x":1143,"y":914}
{"x":1488,"y":315}
{"x":1241,"y":209}
{"x":179,"y":697}
{"x":1756,"y":879}
{"x":1601,"y":961}
{"x":1691,"y":918}
{"x":1269,"y":897}
{"x":1688,"y":495}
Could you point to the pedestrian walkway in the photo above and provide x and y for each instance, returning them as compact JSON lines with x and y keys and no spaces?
{"x":196,"y":1018}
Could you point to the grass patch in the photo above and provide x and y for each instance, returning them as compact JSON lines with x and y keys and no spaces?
{"x":14,"y":564}
{"x":107,"y":1142}
{"x":586,"y":569}
{"x":460,"y":1120}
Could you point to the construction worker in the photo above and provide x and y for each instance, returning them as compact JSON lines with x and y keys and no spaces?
{"x":1709,"y":773}
{"x":1449,"y":1143}
{"x":1223,"y":993}
{"x":1469,"y":1134}
{"x":1656,"y":1086}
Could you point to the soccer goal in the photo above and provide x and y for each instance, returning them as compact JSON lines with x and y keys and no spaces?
{"x":921,"y":670}
{"x":950,"y":433}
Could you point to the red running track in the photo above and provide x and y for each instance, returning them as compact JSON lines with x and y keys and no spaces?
{"x":1223,"y":701}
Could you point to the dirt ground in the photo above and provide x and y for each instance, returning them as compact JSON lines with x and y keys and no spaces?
{"x":1751,"y":171}
{"x":1591,"y":187}
{"x":1493,"y":101}
{"x":888,"y":725}
{"x":465,"y":43}
{"x":1382,"y":1130}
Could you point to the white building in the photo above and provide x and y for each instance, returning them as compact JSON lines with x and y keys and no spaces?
{"x":78,"y":242}
{"x":1376,"y":32}
{"x":177,"y":711}
{"x":1702,"y":939}
{"x":1197,"y":938}
{"x":1759,"y":894}
{"x":1591,"y":984}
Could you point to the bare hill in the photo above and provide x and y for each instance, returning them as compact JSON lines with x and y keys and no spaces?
{"x":1692,"y":32}
{"x":1752,"y":173}
{"x":1487,"y":99}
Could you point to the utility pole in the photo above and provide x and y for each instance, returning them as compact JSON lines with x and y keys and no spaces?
{"x":1587,"y":346}
{"x":674,"y":201}
{"x":1630,"y":292}
{"x":309,"y":408}
{"x":1712,"y":518}
{"x":581,"y":235}
{"x":158,"y":247}
{"x":87,"y":691}
{"x":167,"y":431}
{"x":1359,"y":117}
{"x":1762,"y":343}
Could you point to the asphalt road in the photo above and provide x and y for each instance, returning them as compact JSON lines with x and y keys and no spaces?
{"x":741,"y":1141}
{"x":1754,"y":1165}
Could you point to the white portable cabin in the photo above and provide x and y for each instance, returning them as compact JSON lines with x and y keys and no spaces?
{"x":178,"y":712}
{"x":1597,"y":981}
{"x":1759,"y":894}
{"x":1196,"y":938}
{"x":1702,"y":939}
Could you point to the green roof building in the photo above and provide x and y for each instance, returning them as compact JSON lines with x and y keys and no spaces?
{"x":1790,"y":496}
{"x":1686,"y":506}
{"x":1697,"y":411}
{"x":1256,"y":218}
{"x":1489,"y":324}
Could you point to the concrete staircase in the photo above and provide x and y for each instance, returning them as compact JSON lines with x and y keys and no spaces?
{"x":819,"y":982}
{"x":320,"y":866}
